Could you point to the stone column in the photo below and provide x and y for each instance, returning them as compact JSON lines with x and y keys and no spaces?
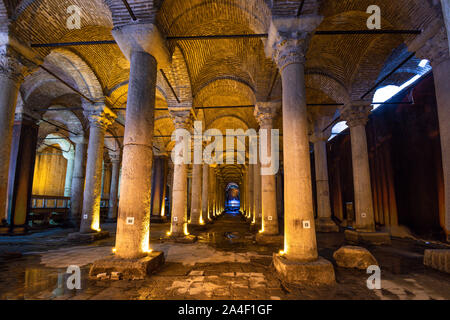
{"x":433,"y":44}
{"x":257,"y":194}
{"x":182,"y":120}
{"x":196,"y":200}
{"x":251,"y":196}
{"x":357,"y":115}
{"x":100,"y":117}
{"x":21,"y":170}
{"x":205,"y":179}
{"x":324,"y":223}
{"x":79,"y":170}
{"x":113,"y":191}
{"x":12,"y":73}
{"x":265,"y":112}
{"x":211,"y":190}
{"x":159,"y":182}
{"x":299,"y":262}
{"x":70,"y":156}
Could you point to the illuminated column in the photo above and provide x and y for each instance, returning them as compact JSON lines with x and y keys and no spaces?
{"x":196,"y":200}
{"x":251,"y":195}
{"x":158,"y":194}
{"x":100,"y":117}
{"x":324,"y":223}
{"x":357,"y":114}
{"x":145,"y":48}
{"x":113,"y":191}
{"x":257,"y":194}
{"x":205,"y":180}
{"x":182,"y":120}
{"x":76,"y":199}
{"x":21,"y":171}
{"x":211,"y":189}
{"x":433,"y":44}
{"x":12,"y":73}
{"x":265,"y":112}
{"x":299,"y":262}
{"x":70,"y":156}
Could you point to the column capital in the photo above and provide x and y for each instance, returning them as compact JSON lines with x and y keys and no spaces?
{"x":265,"y":112}
{"x":16,"y":59}
{"x":100,"y":115}
{"x":356,"y":113}
{"x":432,"y":44}
{"x":115,"y":157}
{"x":182,"y":119}
{"x":142,"y":37}
{"x":289,"y":38}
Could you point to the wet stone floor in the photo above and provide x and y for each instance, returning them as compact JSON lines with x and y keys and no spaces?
{"x":226,"y":263}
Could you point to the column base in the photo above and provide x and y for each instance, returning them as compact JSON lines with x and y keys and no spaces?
{"x":182,"y":238}
{"x":326,"y":225}
{"x":438,"y":259}
{"x":126,"y":269}
{"x":264,"y":238}
{"x":374,"y":238}
{"x":158,"y":219}
{"x":87,"y":237}
{"x":315,"y":273}
{"x":255,"y":227}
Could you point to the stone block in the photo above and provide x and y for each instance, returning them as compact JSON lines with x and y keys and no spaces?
{"x":127,"y":269}
{"x":87,"y":237}
{"x":315,"y":273}
{"x":374,"y":238}
{"x":438,"y":259}
{"x":354,"y":257}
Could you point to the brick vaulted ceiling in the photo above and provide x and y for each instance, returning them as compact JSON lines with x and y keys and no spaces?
{"x":212,"y":72}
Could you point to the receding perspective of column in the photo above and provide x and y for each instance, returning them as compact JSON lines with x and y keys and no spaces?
{"x":433,"y":44}
{"x":79,"y":170}
{"x":324,"y":223}
{"x":196,"y":195}
{"x":100,"y":117}
{"x":251,"y":195}
{"x":299,"y":261}
{"x":21,"y":170}
{"x":178,"y":228}
{"x":70,"y":156}
{"x":12,"y":72}
{"x":357,"y":114}
{"x":205,"y":179}
{"x":114,"y":188}
{"x":158,"y":194}
{"x":265,"y":113}
{"x":257,"y":217}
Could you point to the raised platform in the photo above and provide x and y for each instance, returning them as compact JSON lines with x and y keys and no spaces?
{"x":326,"y":225}
{"x":315,"y":273}
{"x":438,"y":259}
{"x":126,"y":269}
{"x":87,"y":237}
{"x":374,"y":238}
